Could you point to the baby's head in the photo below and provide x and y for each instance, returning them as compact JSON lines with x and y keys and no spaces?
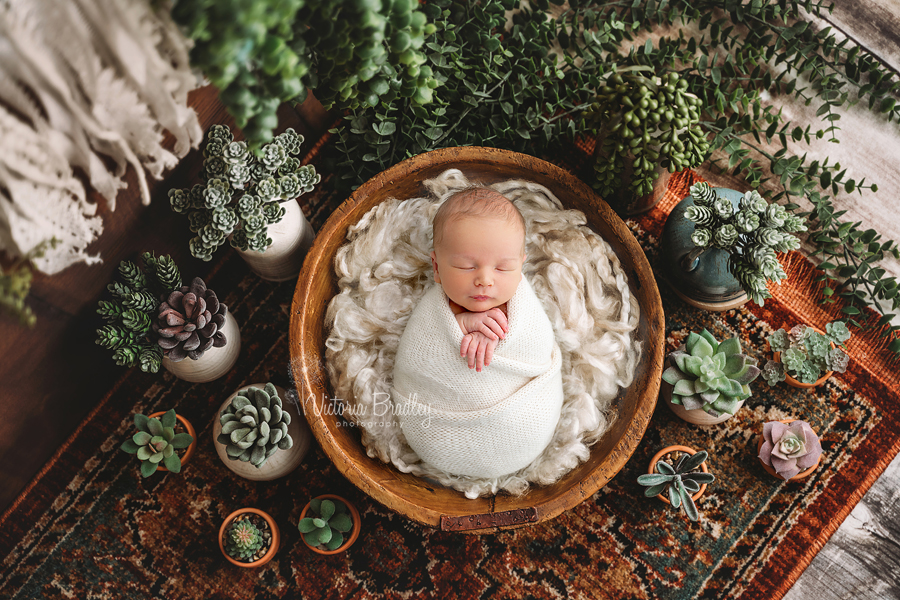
{"x":479,"y":248}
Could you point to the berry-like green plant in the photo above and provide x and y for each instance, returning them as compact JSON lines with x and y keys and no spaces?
{"x":710,"y":375}
{"x":679,"y":479}
{"x":132,"y":310}
{"x":255,"y":425}
{"x":643,"y":121}
{"x":156,"y":442}
{"x":327,"y":522}
{"x":806,"y":354}
{"x":241,"y":194}
{"x":243,"y":540}
{"x":15,"y":283}
{"x":751,"y":234}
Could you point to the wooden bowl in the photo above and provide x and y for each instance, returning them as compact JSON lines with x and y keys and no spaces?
{"x":419,"y":499}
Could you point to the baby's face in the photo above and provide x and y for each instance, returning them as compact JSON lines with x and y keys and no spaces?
{"x":479,"y":262}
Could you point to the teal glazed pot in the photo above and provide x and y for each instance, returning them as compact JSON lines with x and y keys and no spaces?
{"x":700,"y":277}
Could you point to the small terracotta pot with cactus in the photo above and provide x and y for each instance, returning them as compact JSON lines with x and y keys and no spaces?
{"x":680,"y":473}
{"x":158,"y":445}
{"x":249,"y":537}
{"x":329,"y":524}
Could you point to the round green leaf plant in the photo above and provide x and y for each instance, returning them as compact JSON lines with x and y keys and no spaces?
{"x":709,"y":375}
{"x":326,"y":526}
{"x":156,"y":442}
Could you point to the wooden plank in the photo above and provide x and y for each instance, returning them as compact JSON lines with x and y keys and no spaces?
{"x":873,"y":24}
{"x":862,"y":559}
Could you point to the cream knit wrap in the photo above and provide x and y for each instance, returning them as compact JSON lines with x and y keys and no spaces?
{"x":479,"y":424}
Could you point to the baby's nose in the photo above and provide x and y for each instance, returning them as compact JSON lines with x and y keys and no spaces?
{"x":483,"y":278}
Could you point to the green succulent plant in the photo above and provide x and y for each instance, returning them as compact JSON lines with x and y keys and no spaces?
{"x":329,"y":521}
{"x":710,"y":375}
{"x":752,"y":234}
{"x":243,"y":540}
{"x":130,"y":314}
{"x":679,"y":480}
{"x":807,"y":354}
{"x":156,"y":442}
{"x":241,"y":193}
{"x":644,"y":121}
{"x":255,"y":425}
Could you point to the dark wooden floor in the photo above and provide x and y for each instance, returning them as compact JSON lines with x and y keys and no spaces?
{"x":54,"y":374}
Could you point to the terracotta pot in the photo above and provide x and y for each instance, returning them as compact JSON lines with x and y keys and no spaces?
{"x":283,"y":461}
{"x":189,"y":430}
{"x":292,"y":238}
{"x":215,"y":362}
{"x":273,"y":527}
{"x":772,"y":472}
{"x":797,"y":384}
{"x":354,"y":533}
{"x":663,"y":452}
{"x":697,"y":416}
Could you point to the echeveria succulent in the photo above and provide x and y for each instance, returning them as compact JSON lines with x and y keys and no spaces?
{"x":156,"y":442}
{"x":710,"y":375}
{"x":679,"y":480}
{"x":807,"y":354}
{"x":789,"y":448}
{"x":255,"y":426}
{"x":326,"y":523}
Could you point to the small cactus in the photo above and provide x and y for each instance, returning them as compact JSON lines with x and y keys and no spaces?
{"x":156,"y":442}
{"x":243,"y":539}
{"x":329,"y":520}
{"x":255,"y":426}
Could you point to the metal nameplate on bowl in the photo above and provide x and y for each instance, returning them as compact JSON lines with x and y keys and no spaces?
{"x":488,"y":520}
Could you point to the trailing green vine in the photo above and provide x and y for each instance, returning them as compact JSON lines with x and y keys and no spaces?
{"x":530,"y":87}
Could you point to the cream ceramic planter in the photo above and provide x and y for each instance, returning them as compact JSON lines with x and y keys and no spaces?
{"x":283,"y":461}
{"x":215,"y":362}
{"x":697,"y":416}
{"x":291,"y":237}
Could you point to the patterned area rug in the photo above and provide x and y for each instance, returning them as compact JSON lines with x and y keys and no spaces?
{"x":90,"y":527}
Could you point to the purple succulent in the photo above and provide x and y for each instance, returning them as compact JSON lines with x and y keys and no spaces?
{"x":789,"y":448}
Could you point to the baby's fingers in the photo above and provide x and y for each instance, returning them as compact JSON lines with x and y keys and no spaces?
{"x":489,"y":352}
{"x":490,"y":329}
{"x":464,"y":347}
{"x":500,"y":317}
{"x":479,"y":355}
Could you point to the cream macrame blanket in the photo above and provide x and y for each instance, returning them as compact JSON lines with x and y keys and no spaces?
{"x":384,"y":270}
{"x":479,"y":424}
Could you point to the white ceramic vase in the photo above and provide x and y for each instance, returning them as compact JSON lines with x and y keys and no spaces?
{"x":215,"y":362}
{"x":292,"y":237}
{"x":697,"y":416}
{"x":283,"y":461}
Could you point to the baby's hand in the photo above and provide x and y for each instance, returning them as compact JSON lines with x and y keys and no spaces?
{"x":478,"y":350}
{"x":491,"y":323}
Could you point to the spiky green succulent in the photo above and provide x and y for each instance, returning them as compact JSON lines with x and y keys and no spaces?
{"x":680,"y":481}
{"x":156,"y":442}
{"x":243,"y":540}
{"x":130,"y":313}
{"x":326,"y":523}
{"x":751,"y":234}
{"x":807,"y":354}
{"x":710,"y":375}
{"x":255,"y":425}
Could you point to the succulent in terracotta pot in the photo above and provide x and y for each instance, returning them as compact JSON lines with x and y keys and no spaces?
{"x":329,"y":524}
{"x":249,"y":537}
{"x":680,"y":473}
{"x":789,"y":449}
{"x":807,"y":355}
{"x":710,"y":376}
{"x":254,"y":425}
{"x":156,"y":442}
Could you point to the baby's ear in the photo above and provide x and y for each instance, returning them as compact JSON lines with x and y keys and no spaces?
{"x":437,"y":277}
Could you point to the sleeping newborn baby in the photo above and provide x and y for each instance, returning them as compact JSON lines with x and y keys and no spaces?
{"x":477,"y":386}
